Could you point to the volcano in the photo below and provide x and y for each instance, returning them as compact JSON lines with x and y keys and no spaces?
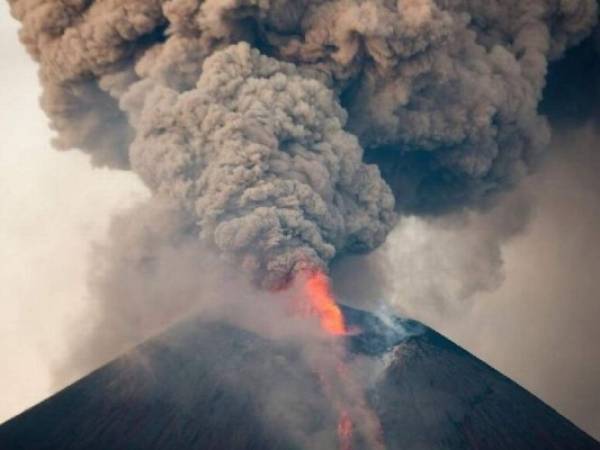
{"x":210,"y":385}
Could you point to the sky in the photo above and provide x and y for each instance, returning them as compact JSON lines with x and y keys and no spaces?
{"x":532,"y":314}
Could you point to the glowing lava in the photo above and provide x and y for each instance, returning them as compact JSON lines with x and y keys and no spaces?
{"x":322,"y":304}
{"x":319,"y":302}
{"x":344,"y":431}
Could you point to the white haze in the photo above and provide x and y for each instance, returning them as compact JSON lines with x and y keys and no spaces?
{"x":49,"y":215}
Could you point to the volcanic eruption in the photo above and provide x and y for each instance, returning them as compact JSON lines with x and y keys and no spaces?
{"x":281,"y":134}
{"x":322,"y":304}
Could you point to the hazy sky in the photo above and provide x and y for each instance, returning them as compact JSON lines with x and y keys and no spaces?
{"x":52,"y":205}
{"x":538,"y":326}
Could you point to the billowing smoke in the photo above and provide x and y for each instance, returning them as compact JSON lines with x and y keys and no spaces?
{"x":292,"y":131}
{"x":259,"y":154}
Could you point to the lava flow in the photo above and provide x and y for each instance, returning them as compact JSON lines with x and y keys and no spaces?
{"x":321,"y":304}
{"x":344,"y":431}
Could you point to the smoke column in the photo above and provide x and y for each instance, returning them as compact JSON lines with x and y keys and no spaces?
{"x":256,"y":119}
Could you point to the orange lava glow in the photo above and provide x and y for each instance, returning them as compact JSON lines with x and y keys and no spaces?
{"x":322,"y":305}
{"x":344,"y":431}
{"x":318,"y":301}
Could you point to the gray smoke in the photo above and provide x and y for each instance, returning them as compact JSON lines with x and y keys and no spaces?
{"x":523,"y":275}
{"x":261,"y":120}
{"x":259,"y":154}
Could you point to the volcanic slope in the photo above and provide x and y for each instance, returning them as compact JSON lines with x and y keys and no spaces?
{"x":209,"y":385}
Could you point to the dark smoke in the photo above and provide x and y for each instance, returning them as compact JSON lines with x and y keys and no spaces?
{"x":258,"y":153}
{"x":572,"y":94}
{"x":260,"y":146}
{"x":523,"y":275}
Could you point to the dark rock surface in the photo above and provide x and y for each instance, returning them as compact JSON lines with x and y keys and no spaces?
{"x":213,"y":386}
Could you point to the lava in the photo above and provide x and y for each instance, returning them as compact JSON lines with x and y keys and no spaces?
{"x":323,"y":305}
{"x":320,"y":302}
{"x":344,"y":431}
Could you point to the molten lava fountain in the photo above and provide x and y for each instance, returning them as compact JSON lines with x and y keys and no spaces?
{"x":318,"y":301}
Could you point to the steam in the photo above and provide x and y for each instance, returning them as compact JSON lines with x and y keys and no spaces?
{"x":256,"y":118}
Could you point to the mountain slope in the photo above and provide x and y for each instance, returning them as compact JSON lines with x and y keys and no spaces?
{"x":213,"y":386}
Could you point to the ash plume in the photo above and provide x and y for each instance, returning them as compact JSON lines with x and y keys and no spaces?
{"x":258,"y":153}
{"x":294,"y":131}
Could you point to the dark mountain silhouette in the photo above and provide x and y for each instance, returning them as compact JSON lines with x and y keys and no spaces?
{"x":214,"y":386}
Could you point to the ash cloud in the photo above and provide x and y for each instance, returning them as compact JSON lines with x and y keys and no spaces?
{"x":290,"y":131}
{"x":258,"y":154}
{"x":522,"y":275}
